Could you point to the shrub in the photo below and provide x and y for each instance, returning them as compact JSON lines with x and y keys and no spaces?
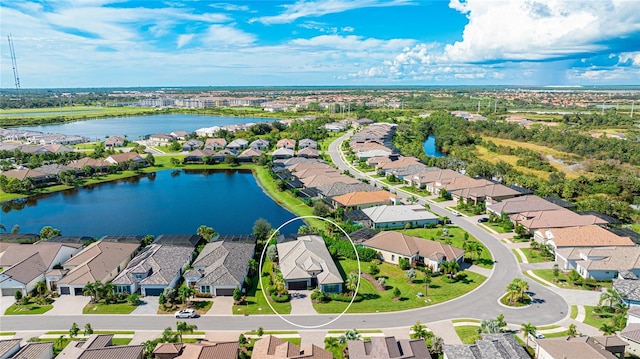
{"x":319,"y":296}
{"x":396,"y":292}
{"x":345,"y":298}
{"x":373,"y":269}
{"x":404,"y":264}
{"x":282,"y":298}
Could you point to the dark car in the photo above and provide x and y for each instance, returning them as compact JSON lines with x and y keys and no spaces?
{"x":483,"y":219}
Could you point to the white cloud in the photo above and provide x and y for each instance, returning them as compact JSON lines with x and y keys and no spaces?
{"x":540,"y":29}
{"x":304,"y":8}
{"x":227,"y":35}
{"x":353,"y":42}
{"x":184,"y":39}
{"x":230,"y":7}
{"x":633,"y":57}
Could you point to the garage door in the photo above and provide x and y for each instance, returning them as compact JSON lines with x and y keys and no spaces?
{"x":225,"y":291}
{"x":9,"y":292}
{"x":64,"y":290}
{"x":153,"y":291}
{"x":77,"y":291}
{"x":299,"y":285}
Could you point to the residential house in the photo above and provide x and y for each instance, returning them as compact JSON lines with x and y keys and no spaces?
{"x":220,"y":155}
{"x":179,"y":135}
{"x":201,"y":350}
{"x":8,"y":347}
{"x":628,"y":286}
{"x":373,"y":150}
{"x":35,"y":350}
{"x":38,"y":178}
{"x":238,"y":144}
{"x":335,"y":127}
{"x":578,"y":348}
{"x":221,"y":266}
{"x":99,"y":261}
{"x":58,"y":148}
{"x":282,"y":153}
{"x":215,"y":143}
{"x":490,"y":193}
{"x":307,"y":143}
{"x":199,"y":156}
{"x":395,"y":245}
{"x":603,"y":263}
{"x":98,"y":165}
{"x":24,"y":265}
{"x":154,"y":269}
{"x":159,"y":139}
{"x":323,"y":180}
{"x":55,"y":169}
{"x":308,"y":152}
{"x":270,"y":347}
{"x":434,"y":179}
{"x":120,"y":158}
{"x":249,"y":155}
{"x":491,"y":346}
{"x":286,"y":143}
{"x":207,"y":131}
{"x":559,"y":218}
{"x":360,"y":200}
{"x":531,"y":203}
{"x":339,"y":188}
{"x":114,"y":141}
{"x":259,"y":144}
{"x":100,"y":346}
{"x":631,"y":333}
{"x":306,"y":262}
{"x":388,"y":348}
{"x":399,"y":163}
{"x":400,"y":216}
{"x":581,"y":236}
{"x":192,"y":145}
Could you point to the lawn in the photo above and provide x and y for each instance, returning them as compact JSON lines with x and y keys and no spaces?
{"x":574,"y":312}
{"x":594,"y":319}
{"x":467,"y":333}
{"x":101,"y":308}
{"x":7,"y":333}
{"x":563,"y":333}
{"x":497,"y":227}
{"x":19,"y":309}
{"x":517,"y":255}
{"x":121,"y":332}
{"x":456,"y":238}
{"x":534,"y":256}
{"x":563,"y":281}
{"x":256,"y":303}
{"x":439,"y":291}
{"x":416,"y":191}
{"x":201,"y":307}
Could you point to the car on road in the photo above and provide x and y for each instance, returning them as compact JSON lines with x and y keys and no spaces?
{"x":456,"y":213}
{"x":186,"y":313}
{"x":483,"y":219}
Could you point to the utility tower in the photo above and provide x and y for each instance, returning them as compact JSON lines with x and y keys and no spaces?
{"x":14,"y":63}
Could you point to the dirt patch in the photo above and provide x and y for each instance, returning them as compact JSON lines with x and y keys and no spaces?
{"x":373,"y":281}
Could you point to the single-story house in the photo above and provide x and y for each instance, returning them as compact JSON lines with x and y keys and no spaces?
{"x":489,"y":193}
{"x":602,"y":263}
{"x":98,"y":165}
{"x":558,"y":218}
{"x":581,"y":236}
{"x":35,"y":350}
{"x":249,"y":154}
{"x":99,"y":261}
{"x":220,"y":155}
{"x":631,"y":333}
{"x":99,"y":346}
{"x":221,"y":267}
{"x":259,"y":144}
{"x":192,"y":145}
{"x":281,"y":153}
{"x":578,"y":348}
{"x":160,"y":139}
{"x":335,"y":127}
{"x":286,"y":143}
{"x":215,"y":143}
{"x":430,"y":180}
{"x":8,"y":347}
{"x":362,"y":199}
{"x":530,"y":203}
{"x":114,"y":141}
{"x":413,"y":215}
{"x":179,"y":134}
{"x":238,"y":144}
{"x":120,"y":158}
{"x":308,"y":152}
{"x":24,"y":265}
{"x":491,"y":346}
{"x":38,"y":178}
{"x":388,"y":348}
{"x":339,"y":188}
{"x":199,"y":156}
{"x":307,"y":143}
{"x":395,"y":245}
{"x":154,"y":269}
{"x":270,"y":347}
{"x":201,"y":350}
{"x":306,"y":262}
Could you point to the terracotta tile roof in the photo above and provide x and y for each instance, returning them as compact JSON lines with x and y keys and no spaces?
{"x":287,"y":143}
{"x":522,"y":204}
{"x":360,"y":198}
{"x":201,"y":350}
{"x":584,"y":236}
{"x":123,"y":157}
{"x":327,"y":171}
{"x":271,"y":347}
{"x":574,"y":348}
{"x":403,"y":244}
{"x":22,"y":174}
{"x":321,"y":180}
{"x":558,"y":218}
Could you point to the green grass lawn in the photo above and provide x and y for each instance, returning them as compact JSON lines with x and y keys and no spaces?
{"x":122,"y":332}
{"x":361,"y":331}
{"x":547,"y":327}
{"x":374,"y":301}
{"x":467,"y":333}
{"x":534,"y":256}
{"x":456,"y":236}
{"x":7,"y":333}
{"x":563,"y":333}
{"x":440,"y":199}
{"x":563,"y":281}
{"x":19,"y":309}
{"x":574,"y":312}
{"x":271,"y":332}
{"x":517,"y":255}
{"x":416,"y":191}
{"x":101,"y":308}
{"x":120,"y":341}
{"x":636,"y":227}
{"x":496,"y":227}
{"x":594,"y":319}
{"x":256,"y":303}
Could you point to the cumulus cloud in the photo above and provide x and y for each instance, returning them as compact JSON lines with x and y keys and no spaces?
{"x":632,"y":58}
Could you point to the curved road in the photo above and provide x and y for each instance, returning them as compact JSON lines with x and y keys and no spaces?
{"x":548,"y":306}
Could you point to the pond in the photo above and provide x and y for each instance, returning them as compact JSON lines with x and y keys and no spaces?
{"x":430,"y":149}
{"x":136,"y":127}
{"x":165,"y":202}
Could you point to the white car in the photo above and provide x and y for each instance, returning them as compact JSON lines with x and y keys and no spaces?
{"x":186,"y":313}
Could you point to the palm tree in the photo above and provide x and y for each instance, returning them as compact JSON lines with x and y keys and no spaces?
{"x":470,"y":248}
{"x":185,"y":292}
{"x":489,"y":326}
{"x":512,"y":291}
{"x":436,"y":345}
{"x":184,"y":327}
{"x":528,"y":328}
{"x":59,"y":342}
{"x":523,"y":286}
{"x":332,"y":344}
{"x":41,"y":288}
{"x":350,"y":334}
{"x":611,"y":296}
{"x":253,"y":266}
{"x":607,"y":329}
{"x":419,"y":331}
{"x":450,"y":268}
{"x":352,"y":282}
{"x":90,"y":290}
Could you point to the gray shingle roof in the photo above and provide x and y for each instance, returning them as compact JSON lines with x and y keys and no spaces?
{"x":296,"y":256}
{"x":224,"y":263}
{"x":161,"y":263}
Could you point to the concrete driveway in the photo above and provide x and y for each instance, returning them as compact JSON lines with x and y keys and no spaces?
{"x":148,"y":305}
{"x":221,"y":306}
{"x":68,"y":305}
{"x":5,"y":303}
{"x":301,"y":303}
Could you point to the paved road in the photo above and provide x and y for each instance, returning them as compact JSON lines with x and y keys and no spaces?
{"x":481,"y":303}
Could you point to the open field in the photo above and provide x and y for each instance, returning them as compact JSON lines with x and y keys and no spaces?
{"x":52,"y":115}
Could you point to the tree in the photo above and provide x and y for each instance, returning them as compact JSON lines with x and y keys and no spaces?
{"x":87,"y":329}
{"x":520,"y":230}
{"x":162,"y":300}
{"x":237,"y":294}
{"x":332,"y":344}
{"x":169,"y":294}
{"x":556,"y":271}
{"x":73,"y":332}
{"x":528,"y":329}
{"x":261,"y":229}
{"x":610,"y":296}
{"x":168,"y":336}
{"x":92,"y":290}
{"x":253,"y":266}
{"x":206,"y":232}
{"x":150,"y":159}
{"x":260,"y":331}
{"x":48,"y":232}
{"x":184,"y":327}
{"x":352,"y":282}
{"x":350,"y":334}
{"x":230,"y":160}
{"x":410,"y":274}
{"x":396,"y":292}
{"x":489,"y":326}
{"x":572,"y":332}
{"x":607,"y":329}
{"x":404,"y":263}
{"x":133,"y":299}
{"x":40,"y":288}
{"x":185,"y":292}
{"x":59,"y":342}
{"x":17,"y":295}
{"x":450,"y":268}
{"x":321,"y":209}
{"x":436,"y":345}
{"x":419,"y":331}
{"x":426,"y":281}
{"x":174,"y":161}
{"x":272,"y":253}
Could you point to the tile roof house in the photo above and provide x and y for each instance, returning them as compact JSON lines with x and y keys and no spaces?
{"x":307,"y":143}
{"x":221,"y":267}
{"x":179,"y":134}
{"x":573,"y":348}
{"x":362,"y":199}
{"x":602,"y":263}
{"x":215,"y":143}
{"x":99,"y":346}
{"x":558,"y":218}
{"x":388,"y":348}
{"x":9,"y":347}
{"x":200,"y":350}
{"x":238,"y":144}
{"x":101,"y":260}
{"x":35,"y":350}
{"x":339,"y":188}
{"x":114,"y":141}
{"x":322,"y":180}
{"x":306,"y":262}
{"x":120,"y":158}
{"x":489,"y":193}
{"x":199,"y":156}
{"x":249,"y":155}
{"x":386,"y":216}
{"x":160,"y":139}
{"x":99,"y":165}
{"x":259,"y":144}
{"x":521,"y":204}
{"x":282,"y":153}
{"x":308,"y":152}
{"x":286,"y":143}
{"x":581,"y":236}
{"x":491,"y":346}
{"x":37,"y":177}
{"x":154,"y":269}
{"x":631,"y":333}
{"x":191,"y":145}
{"x":430,"y":180}
{"x":270,"y":347}
{"x":26,"y":264}
{"x":395,"y":245}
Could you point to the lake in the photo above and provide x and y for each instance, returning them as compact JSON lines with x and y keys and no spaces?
{"x":165,"y":202}
{"x":430,"y":147}
{"x":135,"y":127}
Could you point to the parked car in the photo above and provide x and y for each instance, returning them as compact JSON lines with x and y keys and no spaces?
{"x":186,"y":313}
{"x":483,"y":219}
{"x":456,"y":213}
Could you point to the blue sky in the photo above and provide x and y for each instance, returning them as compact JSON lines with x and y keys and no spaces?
{"x":104,"y":43}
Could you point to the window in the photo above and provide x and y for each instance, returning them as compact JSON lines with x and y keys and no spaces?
{"x":393,"y":257}
{"x":205,"y":289}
